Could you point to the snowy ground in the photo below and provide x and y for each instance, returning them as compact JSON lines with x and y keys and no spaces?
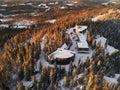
{"x":52,"y":21}
{"x":109,"y":48}
{"x":112,"y":79}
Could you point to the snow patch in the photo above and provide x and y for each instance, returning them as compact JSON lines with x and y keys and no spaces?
{"x":23,"y":23}
{"x":52,"y":21}
{"x":102,"y":40}
{"x":29,"y":3}
{"x":4,"y":25}
{"x":6,"y":20}
{"x":63,"y":7}
{"x":2,"y":9}
{"x":53,"y":3}
{"x":4,"y":5}
{"x":27,"y":83}
{"x":47,"y":9}
{"x":112,"y":79}
{"x":109,"y":48}
{"x":64,"y":46}
{"x":70,"y":4}
{"x":109,"y":3}
{"x":80,"y":75}
{"x":42,"y":5}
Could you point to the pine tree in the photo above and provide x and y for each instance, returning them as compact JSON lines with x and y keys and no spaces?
{"x":20,"y":86}
{"x":20,"y":73}
{"x":118,"y":88}
{"x":66,"y":83}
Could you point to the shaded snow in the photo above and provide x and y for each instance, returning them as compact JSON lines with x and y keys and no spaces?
{"x":27,"y":83}
{"x":14,"y":77}
{"x":112,"y":79}
{"x":37,"y":76}
{"x":80,"y":75}
{"x":1,"y":15}
{"x":64,"y":46}
{"x":42,"y":55}
{"x":102,"y":40}
{"x":109,"y":48}
{"x":43,"y":60}
{"x":2,"y":9}
{"x":37,"y":66}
